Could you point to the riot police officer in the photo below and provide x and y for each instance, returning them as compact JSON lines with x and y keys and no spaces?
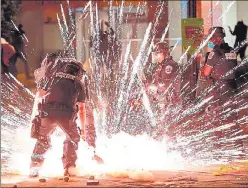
{"x":221,"y":60}
{"x":220,"y":63}
{"x":63,"y":95}
{"x":163,"y":86}
{"x":163,"y":72}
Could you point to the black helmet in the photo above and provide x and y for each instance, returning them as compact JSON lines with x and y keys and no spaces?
{"x":219,"y":32}
{"x":161,"y":47}
{"x":75,"y":69}
{"x":54,"y":55}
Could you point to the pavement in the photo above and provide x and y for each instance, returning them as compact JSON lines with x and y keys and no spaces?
{"x":231,"y":175}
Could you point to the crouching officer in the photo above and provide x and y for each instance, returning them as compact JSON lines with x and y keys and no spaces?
{"x":220,"y":63}
{"x":63,"y":97}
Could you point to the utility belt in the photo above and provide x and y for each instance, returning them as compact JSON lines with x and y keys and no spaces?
{"x":44,"y":112}
{"x":56,"y":106}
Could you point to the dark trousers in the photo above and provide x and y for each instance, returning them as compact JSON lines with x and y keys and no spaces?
{"x":241,"y":51}
{"x":48,"y":125}
{"x":221,"y":119}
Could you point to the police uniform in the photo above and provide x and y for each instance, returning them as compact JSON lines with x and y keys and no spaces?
{"x":166,"y":73}
{"x":59,"y":108}
{"x":223,"y":60}
{"x":165,"y":76}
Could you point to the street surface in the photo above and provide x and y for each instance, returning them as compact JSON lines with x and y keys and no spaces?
{"x":231,"y":175}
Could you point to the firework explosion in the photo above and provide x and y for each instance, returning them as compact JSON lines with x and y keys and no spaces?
{"x":128,"y":138}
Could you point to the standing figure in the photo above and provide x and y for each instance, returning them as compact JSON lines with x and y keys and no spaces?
{"x":18,"y":43}
{"x":240,"y":32}
{"x":163,"y":72}
{"x":106,"y":51}
{"x":163,"y":85}
{"x":219,"y":67}
{"x":221,"y":60}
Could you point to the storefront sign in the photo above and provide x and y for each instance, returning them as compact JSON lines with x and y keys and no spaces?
{"x":192,"y":33}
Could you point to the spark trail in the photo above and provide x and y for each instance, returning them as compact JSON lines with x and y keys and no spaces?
{"x":195,"y":141}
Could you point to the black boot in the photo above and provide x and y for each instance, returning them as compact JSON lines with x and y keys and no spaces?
{"x":70,"y":171}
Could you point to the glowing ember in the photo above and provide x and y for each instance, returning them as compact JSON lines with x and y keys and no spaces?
{"x":121,"y":153}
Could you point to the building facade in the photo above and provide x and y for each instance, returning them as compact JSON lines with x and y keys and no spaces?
{"x":39,"y":20}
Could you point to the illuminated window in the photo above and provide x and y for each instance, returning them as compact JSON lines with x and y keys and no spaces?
{"x":211,"y":12}
{"x":184,"y":9}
